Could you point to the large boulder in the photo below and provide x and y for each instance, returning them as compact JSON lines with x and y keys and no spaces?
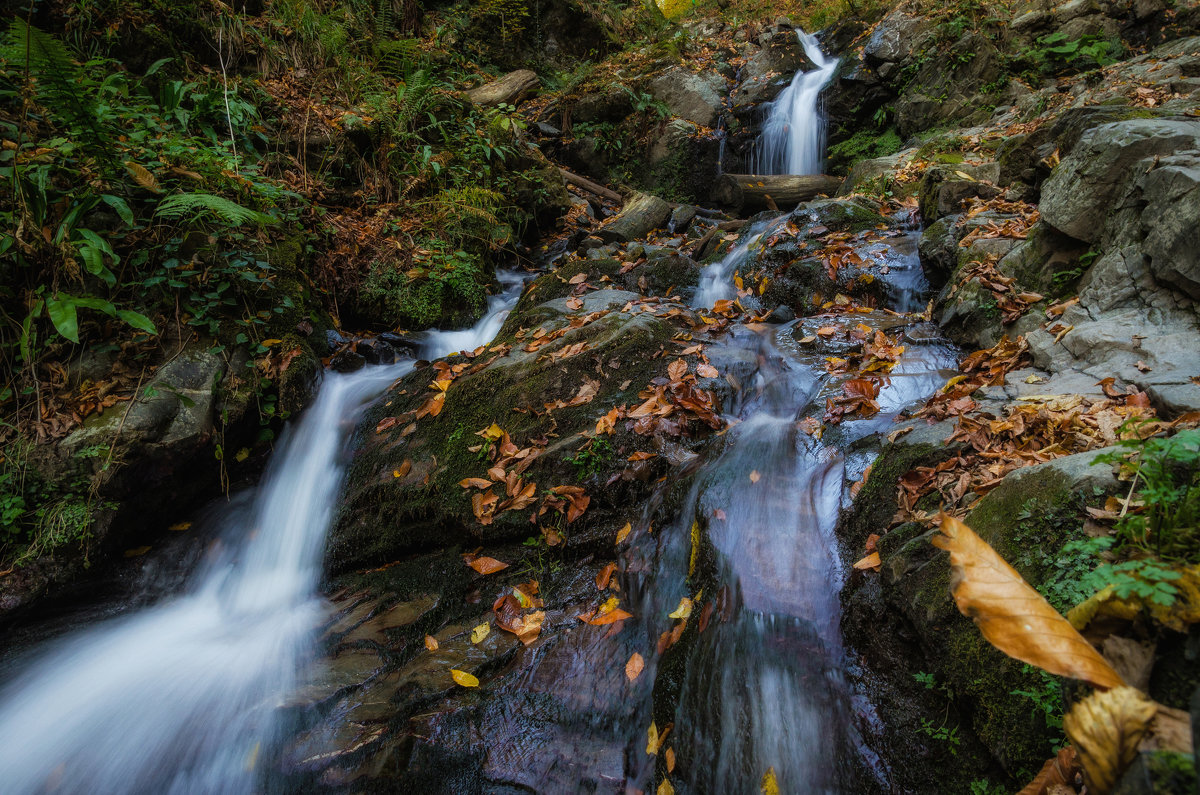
{"x":767,"y":72}
{"x":1082,"y":191}
{"x":699,"y":98}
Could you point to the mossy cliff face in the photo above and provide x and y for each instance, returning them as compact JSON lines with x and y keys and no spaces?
{"x":404,"y":490}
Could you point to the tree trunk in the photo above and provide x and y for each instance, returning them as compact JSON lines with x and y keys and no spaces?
{"x":760,"y":191}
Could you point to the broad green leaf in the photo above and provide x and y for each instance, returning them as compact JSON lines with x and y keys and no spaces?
{"x":62,"y":315}
{"x":120,"y":205}
{"x":137,"y":320}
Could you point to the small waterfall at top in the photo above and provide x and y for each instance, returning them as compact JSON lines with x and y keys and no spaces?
{"x":793,"y":135}
{"x":182,"y":697}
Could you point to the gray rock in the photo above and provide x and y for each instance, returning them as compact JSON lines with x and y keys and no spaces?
{"x":1172,"y":222}
{"x":768,"y":71}
{"x":1087,"y":182}
{"x":697,"y":98}
{"x":895,"y":39}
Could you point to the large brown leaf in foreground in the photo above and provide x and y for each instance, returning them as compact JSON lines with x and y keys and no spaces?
{"x":1011,"y":615}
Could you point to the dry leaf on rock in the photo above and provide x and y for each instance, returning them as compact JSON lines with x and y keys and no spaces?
{"x":1059,"y":771}
{"x":1012,"y":616}
{"x":463,"y":678}
{"x":486,"y":565}
{"x":1105,"y":729}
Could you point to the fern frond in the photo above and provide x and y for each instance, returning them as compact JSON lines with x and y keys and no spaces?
{"x":396,"y":58}
{"x":56,"y":76}
{"x":196,"y":205}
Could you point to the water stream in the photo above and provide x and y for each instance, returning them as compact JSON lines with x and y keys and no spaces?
{"x":182,"y":697}
{"x":793,"y":134}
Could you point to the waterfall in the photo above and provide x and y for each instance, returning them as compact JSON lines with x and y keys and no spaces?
{"x":793,"y":135}
{"x":182,"y":697}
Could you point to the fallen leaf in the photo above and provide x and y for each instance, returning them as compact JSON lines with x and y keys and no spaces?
{"x":664,"y":788}
{"x":871,"y":562}
{"x":642,"y":455}
{"x":604,"y":575}
{"x":431,"y":643}
{"x":684,"y":610}
{"x":1012,"y":616}
{"x":769,"y":785}
{"x":136,"y":552}
{"x":578,"y":278}
{"x":670,"y":758}
{"x":754,"y":476}
{"x":633,"y":668}
{"x":623,"y":533}
{"x":1105,"y":729}
{"x":385,"y":423}
{"x":480,"y":632}
{"x":180,"y":526}
{"x":463,"y":678}
{"x":405,"y":468}
{"x":707,"y":371}
{"x":475,"y":483}
{"x":1058,"y":771}
{"x":485,"y":565}
{"x":677,"y":369}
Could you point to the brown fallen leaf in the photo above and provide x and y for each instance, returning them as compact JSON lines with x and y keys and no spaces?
{"x":475,"y":483}
{"x":670,"y":758}
{"x":604,"y":575}
{"x":642,"y":455}
{"x":1012,"y":616}
{"x":385,"y":423}
{"x":605,"y":618}
{"x":623,"y":533}
{"x":754,"y":476}
{"x":404,"y":468}
{"x":431,"y":643}
{"x":1105,"y":729}
{"x":677,"y":369}
{"x":1058,"y":771}
{"x":633,"y":668}
{"x":707,"y":371}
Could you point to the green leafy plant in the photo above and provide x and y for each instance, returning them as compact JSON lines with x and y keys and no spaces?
{"x":593,"y":458}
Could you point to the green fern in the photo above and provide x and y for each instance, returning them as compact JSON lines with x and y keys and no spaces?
{"x":56,"y":76}
{"x":194,"y":206}
{"x":385,"y":18}
{"x":397,"y":58}
{"x":468,"y":203}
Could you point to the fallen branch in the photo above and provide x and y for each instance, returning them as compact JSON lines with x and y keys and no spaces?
{"x":592,"y":187}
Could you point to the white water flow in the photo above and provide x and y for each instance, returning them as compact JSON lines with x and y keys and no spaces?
{"x":181,"y":697}
{"x":793,"y":136}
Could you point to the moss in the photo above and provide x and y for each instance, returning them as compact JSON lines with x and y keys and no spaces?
{"x":862,"y":145}
{"x":385,"y":516}
{"x":877,"y":502}
{"x":1159,"y":773}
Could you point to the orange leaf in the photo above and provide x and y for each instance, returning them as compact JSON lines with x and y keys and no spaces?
{"x":707,"y":371}
{"x":677,"y":369}
{"x":431,"y":643}
{"x":485,"y":565}
{"x":1011,"y":615}
{"x":633,"y":668}
{"x":477,"y":483}
{"x":605,"y":618}
{"x":604,"y":575}
{"x":641,"y":455}
{"x":871,"y":562}
{"x":385,"y":423}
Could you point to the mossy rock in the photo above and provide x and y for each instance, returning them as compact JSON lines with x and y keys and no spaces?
{"x":385,"y":516}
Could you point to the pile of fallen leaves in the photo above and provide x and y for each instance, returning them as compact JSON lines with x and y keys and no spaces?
{"x":987,"y":367}
{"x":1035,"y":430}
{"x":1011,"y":302}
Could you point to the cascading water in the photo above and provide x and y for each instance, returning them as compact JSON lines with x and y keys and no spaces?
{"x":793,"y":136}
{"x":182,"y":697}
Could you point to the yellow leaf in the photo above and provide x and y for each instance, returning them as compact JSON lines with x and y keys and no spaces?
{"x":1105,"y":729}
{"x":270,"y":342}
{"x":136,"y":552}
{"x":770,"y":785}
{"x":441,"y":385}
{"x":612,"y":604}
{"x":493,"y":431}
{"x":684,"y":610}
{"x":1011,"y":615}
{"x":623,"y":533}
{"x":463,"y":678}
{"x":665,"y":788}
{"x":754,"y":476}
{"x":480,"y":632}
{"x":180,"y":526}
{"x":652,"y":739}
{"x":871,"y":561}
{"x":242,"y":455}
